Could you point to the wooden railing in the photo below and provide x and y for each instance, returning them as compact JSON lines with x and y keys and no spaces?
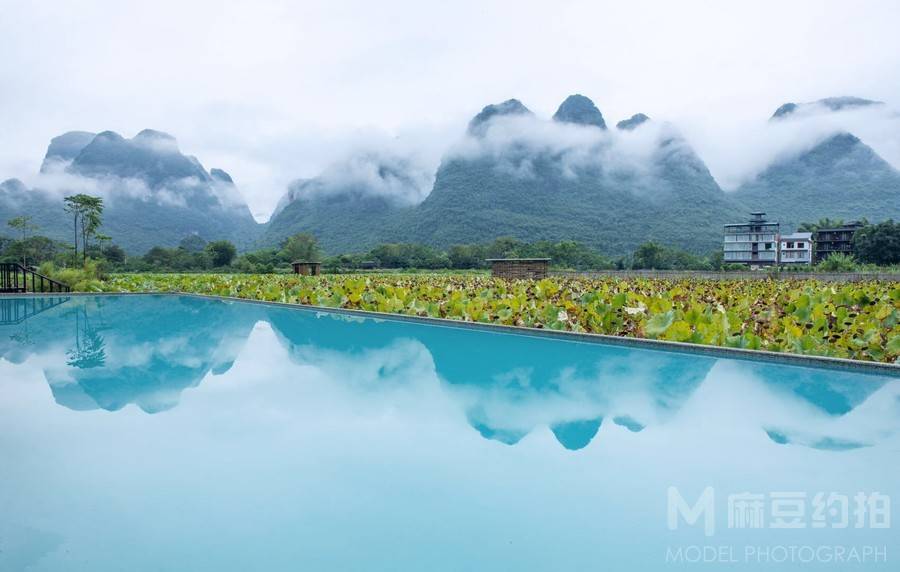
{"x":17,"y":310}
{"x":16,"y":278}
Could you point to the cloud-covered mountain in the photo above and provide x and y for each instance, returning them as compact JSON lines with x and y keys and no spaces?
{"x":153,"y":194}
{"x":574,"y":180}
{"x":841,"y":103}
{"x":356,"y":203}
{"x":579,"y":110}
{"x":515,"y":174}
{"x":632,"y":122}
{"x":837,"y":176}
{"x":512,"y":173}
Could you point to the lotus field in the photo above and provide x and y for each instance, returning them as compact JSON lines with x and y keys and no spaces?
{"x":853,"y":320}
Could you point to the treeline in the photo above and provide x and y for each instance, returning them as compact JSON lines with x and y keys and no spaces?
{"x":193,"y":255}
{"x":876,"y":245}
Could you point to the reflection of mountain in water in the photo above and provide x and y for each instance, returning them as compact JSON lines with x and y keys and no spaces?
{"x":106,"y":352}
{"x":832,"y":398}
{"x":118,"y":352}
{"x":508,"y":385}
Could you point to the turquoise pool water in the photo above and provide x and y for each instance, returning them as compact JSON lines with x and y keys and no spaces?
{"x":152,"y":433}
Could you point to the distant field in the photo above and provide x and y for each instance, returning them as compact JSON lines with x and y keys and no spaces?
{"x":858,"y":320}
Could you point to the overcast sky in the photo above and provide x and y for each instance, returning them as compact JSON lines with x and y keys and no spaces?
{"x":271,"y":91}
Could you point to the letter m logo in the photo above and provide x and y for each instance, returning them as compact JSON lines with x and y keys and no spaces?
{"x":705,"y":507}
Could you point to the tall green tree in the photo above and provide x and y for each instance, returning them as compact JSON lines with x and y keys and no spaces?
{"x":221,"y":252}
{"x":302,"y":246}
{"x":101,"y":238}
{"x":91,"y":219}
{"x":878,"y":243}
{"x":72,"y":206}
{"x":24,"y":225}
{"x":86,"y":209}
{"x":650,"y":256}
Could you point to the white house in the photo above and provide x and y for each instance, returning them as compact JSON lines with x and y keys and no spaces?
{"x":796,"y":248}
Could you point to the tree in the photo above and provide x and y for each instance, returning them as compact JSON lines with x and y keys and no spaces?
{"x":303,"y":246}
{"x":91,"y":219}
{"x":101,"y":238}
{"x":649,"y":255}
{"x":465,"y":256}
{"x":115,"y":254}
{"x":88,"y":209}
{"x":878,"y":243}
{"x":192,"y":243}
{"x":24,"y":225}
{"x":838,"y":262}
{"x":221,"y":252}
{"x":823,"y":223}
{"x":72,"y":205}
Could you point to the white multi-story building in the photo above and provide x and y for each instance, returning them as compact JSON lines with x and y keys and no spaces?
{"x":796,"y":248}
{"x":754,"y":242}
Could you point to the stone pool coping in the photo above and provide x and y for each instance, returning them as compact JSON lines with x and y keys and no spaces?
{"x":834,"y":363}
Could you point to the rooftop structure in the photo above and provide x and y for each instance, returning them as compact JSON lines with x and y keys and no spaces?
{"x":754,"y":242}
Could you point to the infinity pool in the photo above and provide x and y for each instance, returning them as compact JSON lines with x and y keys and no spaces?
{"x":165,"y":433}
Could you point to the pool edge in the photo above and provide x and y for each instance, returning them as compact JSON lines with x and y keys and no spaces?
{"x":834,"y":363}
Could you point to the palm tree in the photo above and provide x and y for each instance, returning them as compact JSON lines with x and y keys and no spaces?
{"x":823,"y":223}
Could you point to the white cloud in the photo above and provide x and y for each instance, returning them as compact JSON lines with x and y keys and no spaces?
{"x":736,"y":154}
{"x":271,"y":90}
{"x":513,"y":141}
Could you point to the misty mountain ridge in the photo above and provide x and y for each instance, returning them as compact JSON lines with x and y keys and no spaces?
{"x":512,"y":173}
{"x":839,"y":177}
{"x":828,"y":104}
{"x":153,"y":194}
{"x":546,"y":183}
{"x":632,"y":122}
{"x":567,"y":178}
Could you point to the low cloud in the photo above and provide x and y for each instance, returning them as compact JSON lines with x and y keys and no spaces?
{"x":514,"y":142}
{"x":737,"y":151}
{"x":59,"y":183}
{"x":400,"y":169}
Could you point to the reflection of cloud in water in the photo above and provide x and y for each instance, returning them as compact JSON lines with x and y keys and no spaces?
{"x":829,"y":410}
{"x":147,"y":350}
{"x":119,"y":352}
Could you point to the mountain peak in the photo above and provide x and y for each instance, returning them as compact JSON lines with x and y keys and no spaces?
{"x":579,"y":110}
{"x":830,"y":103}
{"x":153,"y":134}
{"x":221,"y":176}
{"x":66,"y":147}
{"x":632,"y":122}
{"x":478,"y":125}
{"x":13,"y":186}
{"x":108,"y":136}
{"x":158,"y":140}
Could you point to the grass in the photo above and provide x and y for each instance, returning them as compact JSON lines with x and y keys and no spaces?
{"x":858,"y":320}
